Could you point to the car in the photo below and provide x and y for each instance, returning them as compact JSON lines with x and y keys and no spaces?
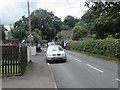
{"x":55,"y":53}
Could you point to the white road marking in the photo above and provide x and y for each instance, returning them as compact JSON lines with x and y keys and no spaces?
{"x":95,"y":68}
{"x":117,"y":79}
{"x":51,"y":72}
{"x":77,"y":60}
{"x":48,"y":63}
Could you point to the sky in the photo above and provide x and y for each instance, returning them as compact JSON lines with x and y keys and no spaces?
{"x":12,"y":10}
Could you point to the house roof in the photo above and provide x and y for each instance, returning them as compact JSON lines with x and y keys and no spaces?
{"x":67,"y":33}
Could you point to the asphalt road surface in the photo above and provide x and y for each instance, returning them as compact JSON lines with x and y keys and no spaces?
{"x":82,"y":71}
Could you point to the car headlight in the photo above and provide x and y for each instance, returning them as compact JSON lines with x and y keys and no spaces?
{"x":63,"y":54}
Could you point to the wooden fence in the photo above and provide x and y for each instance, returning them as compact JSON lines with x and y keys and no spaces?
{"x":14,"y":60}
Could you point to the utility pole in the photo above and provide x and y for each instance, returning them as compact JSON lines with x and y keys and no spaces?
{"x":30,"y":35}
{"x":1,"y":20}
{"x":29,"y":20}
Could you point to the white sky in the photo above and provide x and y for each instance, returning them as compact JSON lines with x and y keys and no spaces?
{"x":12,"y":10}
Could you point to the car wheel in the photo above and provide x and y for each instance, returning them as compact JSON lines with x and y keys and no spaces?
{"x":65,"y":60}
{"x":46,"y":60}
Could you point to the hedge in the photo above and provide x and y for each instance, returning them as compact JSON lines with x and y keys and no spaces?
{"x":106,"y":47}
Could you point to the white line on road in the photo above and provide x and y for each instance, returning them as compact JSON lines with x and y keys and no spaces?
{"x":48,"y":63}
{"x":51,"y":72}
{"x":117,"y":79}
{"x":95,"y":68}
{"x":77,"y":60}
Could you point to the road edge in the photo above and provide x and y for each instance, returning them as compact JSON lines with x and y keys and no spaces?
{"x":51,"y":72}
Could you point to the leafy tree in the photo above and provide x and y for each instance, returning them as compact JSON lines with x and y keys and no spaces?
{"x":103,"y":18}
{"x":2,"y":32}
{"x":46,"y":22}
{"x":18,"y":34}
{"x":106,"y":25}
{"x":38,"y":32}
{"x":22,"y":23}
{"x":70,"y":21}
{"x":37,"y":37}
{"x":78,"y":32}
{"x":59,"y":35}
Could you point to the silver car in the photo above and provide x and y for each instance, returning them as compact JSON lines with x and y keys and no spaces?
{"x":55,"y":52}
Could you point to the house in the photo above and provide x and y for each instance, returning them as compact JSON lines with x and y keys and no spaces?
{"x":67,"y":35}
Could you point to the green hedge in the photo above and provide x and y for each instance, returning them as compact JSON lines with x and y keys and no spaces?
{"x":106,"y":47}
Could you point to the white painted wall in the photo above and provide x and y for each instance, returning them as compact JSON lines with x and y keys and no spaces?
{"x":31,"y":50}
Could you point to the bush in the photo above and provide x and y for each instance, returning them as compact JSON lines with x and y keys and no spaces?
{"x":106,"y":47}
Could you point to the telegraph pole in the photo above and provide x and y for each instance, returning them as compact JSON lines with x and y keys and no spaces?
{"x":1,"y":20}
{"x":30,"y":35}
{"x":29,"y":20}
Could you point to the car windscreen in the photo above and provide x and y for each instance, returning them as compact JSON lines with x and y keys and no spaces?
{"x":51,"y":43}
{"x":55,"y":48}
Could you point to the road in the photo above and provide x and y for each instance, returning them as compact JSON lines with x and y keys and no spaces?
{"x":82,"y":71}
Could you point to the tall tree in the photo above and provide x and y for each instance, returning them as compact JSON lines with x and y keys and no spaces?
{"x":22,"y":23}
{"x":79,"y":32}
{"x":70,"y":21}
{"x":46,"y":22}
{"x":2,"y":32}
{"x":104,"y":18}
{"x":18,"y":34}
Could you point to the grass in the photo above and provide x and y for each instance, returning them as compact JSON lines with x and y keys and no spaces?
{"x":106,"y":58}
{"x":8,"y":69}
{"x":28,"y":68}
{"x":14,"y":70}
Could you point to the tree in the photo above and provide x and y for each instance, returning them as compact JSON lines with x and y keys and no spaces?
{"x":37,"y":37}
{"x":70,"y":21}
{"x":106,"y":25}
{"x":2,"y":32}
{"x":46,"y":22}
{"x":59,"y":35}
{"x":78,"y":32}
{"x":103,"y":18}
{"x":22,"y":23}
{"x":18,"y":34}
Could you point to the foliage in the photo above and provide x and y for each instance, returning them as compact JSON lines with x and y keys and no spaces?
{"x":109,"y":37}
{"x":2,"y":32}
{"x":70,"y":21}
{"x":22,"y":23}
{"x":46,"y":24}
{"x":59,"y":35}
{"x":106,"y":47}
{"x":78,"y":32}
{"x":106,"y":25}
{"x":37,"y":37}
{"x":18,"y":34}
{"x":103,"y":18}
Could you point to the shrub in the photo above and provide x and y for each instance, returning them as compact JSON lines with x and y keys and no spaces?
{"x":106,"y":47}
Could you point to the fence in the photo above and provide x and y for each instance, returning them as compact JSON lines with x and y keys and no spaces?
{"x":14,"y":60}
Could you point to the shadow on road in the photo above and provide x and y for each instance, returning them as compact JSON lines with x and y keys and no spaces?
{"x":57,"y":62}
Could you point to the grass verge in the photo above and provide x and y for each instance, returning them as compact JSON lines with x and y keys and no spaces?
{"x":28,"y":68}
{"x":106,"y":58}
{"x":8,"y":69}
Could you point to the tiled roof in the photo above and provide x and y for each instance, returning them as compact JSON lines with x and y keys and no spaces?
{"x":67,"y":33}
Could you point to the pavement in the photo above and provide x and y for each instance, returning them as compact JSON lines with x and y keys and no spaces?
{"x":39,"y":75}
